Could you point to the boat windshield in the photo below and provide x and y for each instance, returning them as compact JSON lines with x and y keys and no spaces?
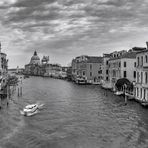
{"x":30,"y":106}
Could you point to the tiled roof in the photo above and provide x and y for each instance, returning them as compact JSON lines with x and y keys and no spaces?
{"x":93,"y":59}
{"x":138,"y":48}
{"x":107,"y":55}
{"x":142,"y":51}
{"x":129,"y":55}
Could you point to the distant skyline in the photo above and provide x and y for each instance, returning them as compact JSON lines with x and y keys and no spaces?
{"x":64,"y":29}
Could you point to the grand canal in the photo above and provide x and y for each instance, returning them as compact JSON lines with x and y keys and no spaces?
{"x":73,"y":117}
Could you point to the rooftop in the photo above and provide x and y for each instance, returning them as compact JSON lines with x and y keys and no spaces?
{"x":128,"y":55}
{"x":93,"y":59}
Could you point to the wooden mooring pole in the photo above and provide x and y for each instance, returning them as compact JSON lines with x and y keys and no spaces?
{"x":7,"y":95}
{"x":18,"y":92}
{"x":125,"y":97}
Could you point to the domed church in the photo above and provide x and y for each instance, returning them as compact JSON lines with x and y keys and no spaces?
{"x":35,"y":59}
{"x":35,"y":66}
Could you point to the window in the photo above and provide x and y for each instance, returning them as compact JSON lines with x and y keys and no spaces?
{"x":124,"y":64}
{"x":107,"y":72}
{"x":134,"y":74}
{"x":119,"y":64}
{"x":106,"y":62}
{"x":100,"y":72}
{"x":90,"y":74}
{"x":137,"y":77}
{"x":90,"y":66}
{"x":141,"y":77}
{"x":134,"y":64}
{"x":137,"y":92}
{"x":83,"y":73}
{"x":144,"y":94}
{"x":138,"y":61}
{"x":106,"y":78}
{"x":146,"y":77}
{"x":142,"y":61}
{"x":146,"y":59}
{"x":124,"y":74}
{"x":140,"y":92}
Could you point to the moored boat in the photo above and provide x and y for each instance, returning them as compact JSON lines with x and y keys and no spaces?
{"x":144,"y":104}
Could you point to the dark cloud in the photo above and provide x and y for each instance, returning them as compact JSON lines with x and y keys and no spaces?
{"x":32,"y":3}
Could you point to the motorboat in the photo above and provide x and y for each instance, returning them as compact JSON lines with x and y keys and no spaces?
{"x":118,"y":93}
{"x":31,"y":109}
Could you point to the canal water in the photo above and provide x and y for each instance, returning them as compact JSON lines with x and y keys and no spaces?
{"x":74,"y":116}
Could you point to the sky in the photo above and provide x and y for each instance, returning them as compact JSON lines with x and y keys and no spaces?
{"x":64,"y":29}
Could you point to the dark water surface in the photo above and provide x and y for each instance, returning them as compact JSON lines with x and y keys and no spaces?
{"x":73,"y":117}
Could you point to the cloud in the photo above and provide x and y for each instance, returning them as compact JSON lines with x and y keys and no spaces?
{"x":71,"y":27}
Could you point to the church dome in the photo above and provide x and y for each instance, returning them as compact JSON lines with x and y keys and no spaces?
{"x":35,"y":59}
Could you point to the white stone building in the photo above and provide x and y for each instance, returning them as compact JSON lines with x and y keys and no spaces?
{"x":122,"y":66}
{"x":142,"y":76}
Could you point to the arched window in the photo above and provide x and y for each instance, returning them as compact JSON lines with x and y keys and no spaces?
{"x":146,"y":80}
{"x":142,"y":61}
{"x":146,"y":59}
{"x":141,"y":77}
{"x":138,"y":61}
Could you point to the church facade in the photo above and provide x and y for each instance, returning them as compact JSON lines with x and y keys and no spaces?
{"x":38,"y":67}
{"x":34,"y":67}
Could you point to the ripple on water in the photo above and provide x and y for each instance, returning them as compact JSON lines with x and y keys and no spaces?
{"x":73,"y":117}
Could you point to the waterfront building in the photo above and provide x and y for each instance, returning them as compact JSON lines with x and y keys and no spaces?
{"x":3,"y":69}
{"x":55,"y":70}
{"x":69,"y":73}
{"x":3,"y":63}
{"x":88,"y":68}
{"x":105,"y":67}
{"x":142,"y":76}
{"x":122,"y":65}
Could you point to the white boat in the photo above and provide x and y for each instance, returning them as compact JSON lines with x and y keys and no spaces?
{"x":31,"y":109}
{"x":28,"y":113}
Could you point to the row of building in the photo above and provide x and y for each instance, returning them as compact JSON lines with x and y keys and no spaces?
{"x":37,"y":67}
{"x":106,"y":70}
{"x":3,"y":69}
